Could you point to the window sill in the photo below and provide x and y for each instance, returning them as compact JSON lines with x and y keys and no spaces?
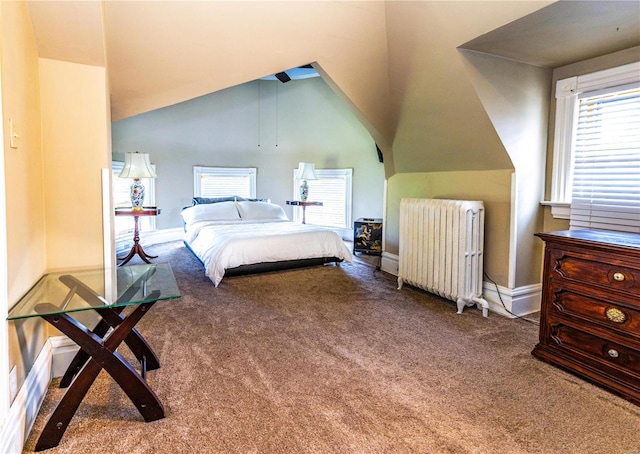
{"x":559,"y":210}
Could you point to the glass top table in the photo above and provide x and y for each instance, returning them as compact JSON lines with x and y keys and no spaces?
{"x":60,"y":297}
{"x":135,"y":284}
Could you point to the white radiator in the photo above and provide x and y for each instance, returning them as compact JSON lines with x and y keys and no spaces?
{"x":441,"y":249}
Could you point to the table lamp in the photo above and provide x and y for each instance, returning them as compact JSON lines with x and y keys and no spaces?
{"x":136,"y":166}
{"x":306,"y":171}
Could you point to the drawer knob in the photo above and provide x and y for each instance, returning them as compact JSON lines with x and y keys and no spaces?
{"x":613,"y":353}
{"x":615,"y":315}
{"x":618,"y":277}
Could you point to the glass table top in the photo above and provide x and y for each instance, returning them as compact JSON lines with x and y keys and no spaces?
{"x":134,"y":284}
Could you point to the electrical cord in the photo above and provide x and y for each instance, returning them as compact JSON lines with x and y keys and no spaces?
{"x":534,"y":322}
{"x":377,"y":266}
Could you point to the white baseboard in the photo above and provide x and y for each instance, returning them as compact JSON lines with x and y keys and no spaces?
{"x":25,"y":407}
{"x":53,"y":360}
{"x":63,"y":350}
{"x":390,"y":263}
{"x":519,"y":301}
{"x":161,"y":236}
{"x":125,"y":242}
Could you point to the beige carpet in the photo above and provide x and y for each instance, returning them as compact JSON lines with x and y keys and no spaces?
{"x":334,"y":359}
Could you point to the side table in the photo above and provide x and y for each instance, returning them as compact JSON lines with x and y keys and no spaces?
{"x":304,"y":205}
{"x":137,"y":249}
{"x":367,"y":236}
{"x":57,"y":297}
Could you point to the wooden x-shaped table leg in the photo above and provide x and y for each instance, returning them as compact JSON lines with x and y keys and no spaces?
{"x":103,"y":355}
{"x":110,"y":318}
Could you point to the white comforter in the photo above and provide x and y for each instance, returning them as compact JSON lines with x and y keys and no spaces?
{"x":222,"y":246}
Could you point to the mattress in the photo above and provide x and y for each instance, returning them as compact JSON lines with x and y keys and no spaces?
{"x":223,"y":246}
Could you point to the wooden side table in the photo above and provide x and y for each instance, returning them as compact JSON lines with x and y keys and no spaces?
{"x":304,"y":205}
{"x":137,"y":249}
{"x":138,"y":287}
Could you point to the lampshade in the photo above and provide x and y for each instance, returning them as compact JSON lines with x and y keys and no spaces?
{"x":306,"y":171}
{"x":137,"y":165}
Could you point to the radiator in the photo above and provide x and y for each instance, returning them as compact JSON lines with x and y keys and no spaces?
{"x":441,"y":249}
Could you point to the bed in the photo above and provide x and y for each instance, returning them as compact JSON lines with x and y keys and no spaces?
{"x":233,"y":237}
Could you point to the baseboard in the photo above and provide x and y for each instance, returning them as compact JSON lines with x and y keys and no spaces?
{"x":53,"y":360}
{"x":390,"y":263}
{"x":63,"y":350}
{"x":125,"y":242}
{"x":517,"y":302}
{"x":25,"y":407}
{"x":161,"y":236}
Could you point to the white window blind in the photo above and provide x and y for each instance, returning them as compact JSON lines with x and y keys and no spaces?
{"x":606,"y":173}
{"x":333,"y":189}
{"x":568,"y":91}
{"x":224,"y":181}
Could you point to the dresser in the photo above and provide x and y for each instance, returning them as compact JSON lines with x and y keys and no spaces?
{"x":590,"y":314}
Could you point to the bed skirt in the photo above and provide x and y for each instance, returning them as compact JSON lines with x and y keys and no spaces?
{"x":264,"y":267}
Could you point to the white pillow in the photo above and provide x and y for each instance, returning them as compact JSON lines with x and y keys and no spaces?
{"x":221,"y":211}
{"x":260,"y":211}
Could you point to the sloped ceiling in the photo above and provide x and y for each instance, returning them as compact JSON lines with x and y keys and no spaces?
{"x":170,"y":51}
{"x":441,"y":121}
{"x":565,"y":32}
{"x":69,"y":31}
{"x":158,"y":53}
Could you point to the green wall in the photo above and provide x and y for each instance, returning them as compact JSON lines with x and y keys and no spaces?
{"x":264,"y":124}
{"x":493,"y":187}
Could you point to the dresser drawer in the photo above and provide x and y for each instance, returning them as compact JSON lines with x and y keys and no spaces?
{"x":590,"y":311}
{"x":604,"y":351}
{"x":609,"y":272}
{"x":614,"y":314}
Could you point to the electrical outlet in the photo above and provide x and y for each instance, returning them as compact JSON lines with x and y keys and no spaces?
{"x":13,"y":383}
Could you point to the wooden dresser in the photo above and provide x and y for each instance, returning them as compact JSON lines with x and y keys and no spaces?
{"x":590,"y":315}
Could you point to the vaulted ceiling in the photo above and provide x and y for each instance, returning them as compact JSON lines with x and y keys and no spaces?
{"x":159,"y":53}
{"x":156,"y":47}
{"x":565,"y":32}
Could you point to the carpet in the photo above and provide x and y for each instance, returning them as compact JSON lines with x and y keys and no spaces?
{"x":335,"y":359}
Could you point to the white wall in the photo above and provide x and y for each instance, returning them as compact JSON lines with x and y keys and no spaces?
{"x":516,"y":98}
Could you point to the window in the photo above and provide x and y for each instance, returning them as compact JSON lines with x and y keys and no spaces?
{"x":575,"y":98}
{"x":123,"y":225}
{"x":606,"y":164}
{"x":224,"y":181}
{"x":333,"y":189}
